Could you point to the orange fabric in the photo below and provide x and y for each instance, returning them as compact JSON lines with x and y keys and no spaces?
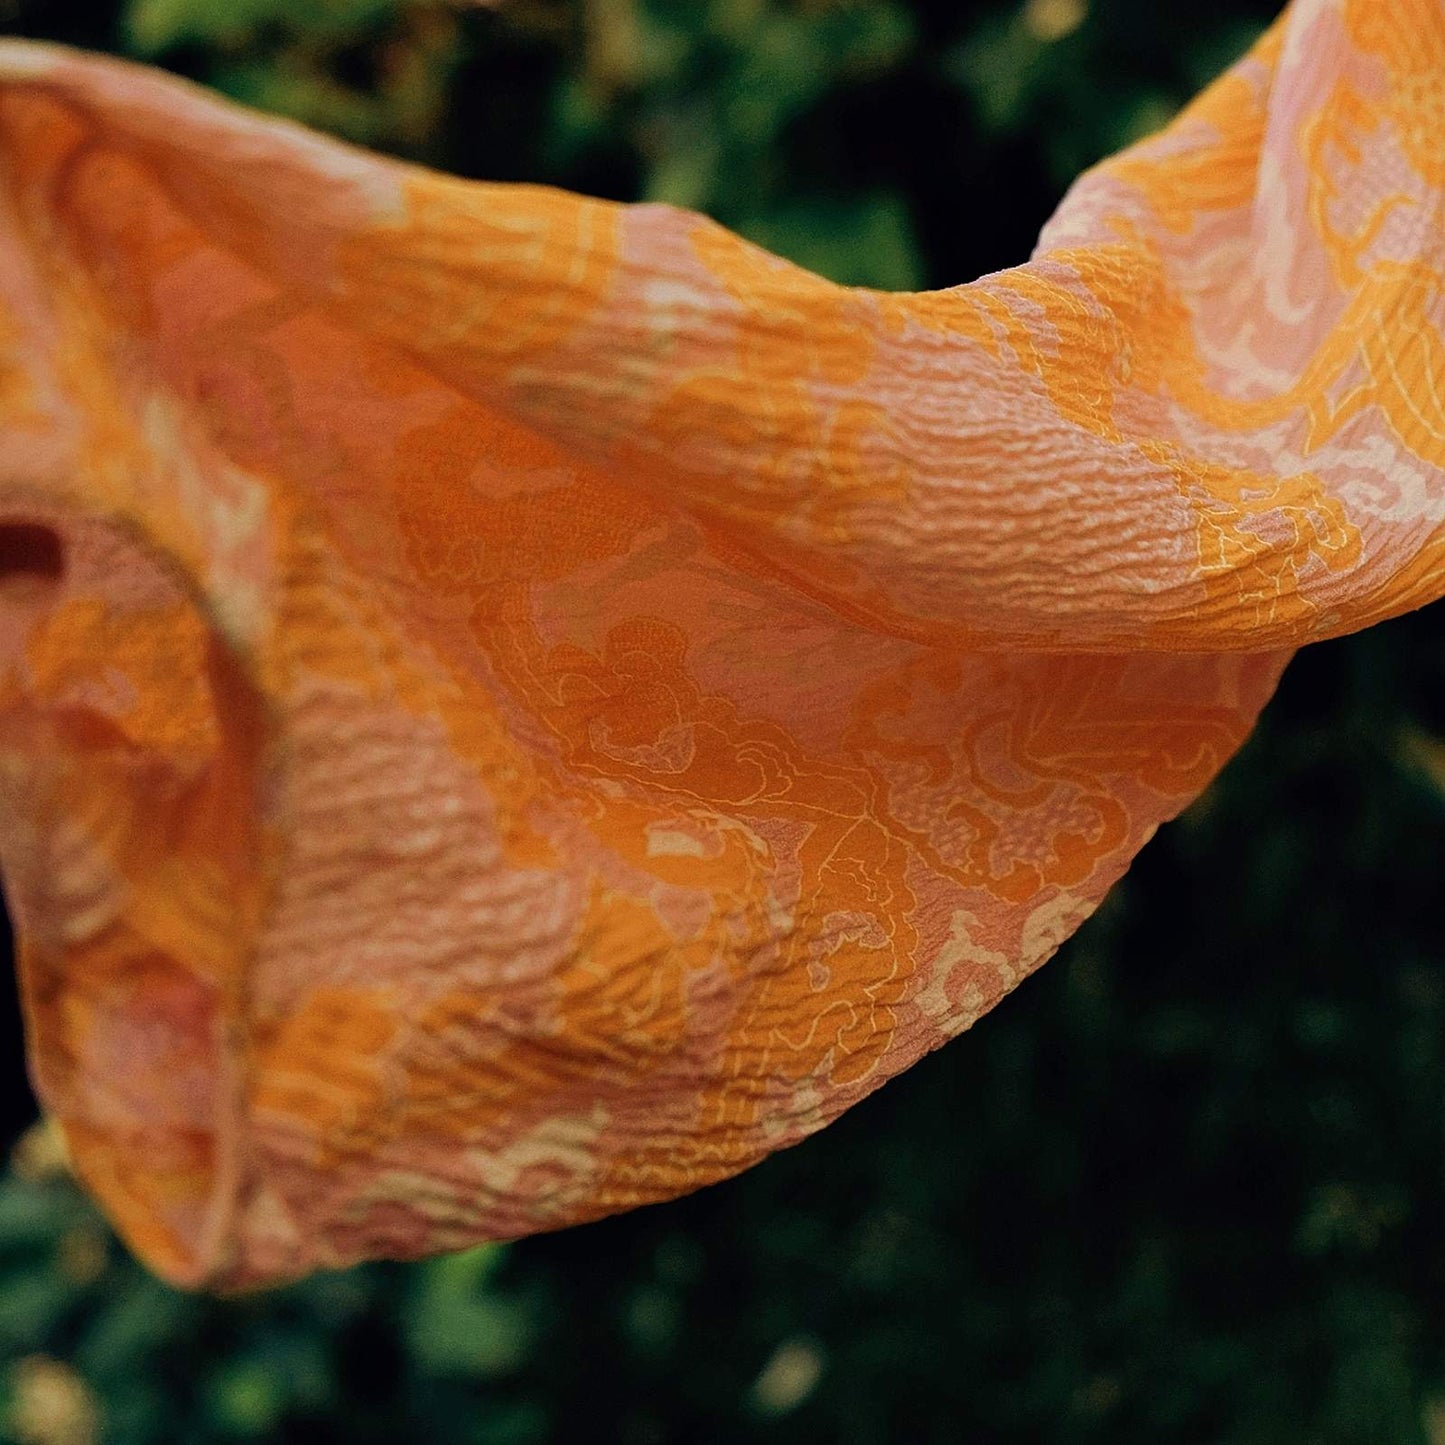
{"x":515,"y":706}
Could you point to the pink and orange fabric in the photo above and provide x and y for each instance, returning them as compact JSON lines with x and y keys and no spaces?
{"x":513,"y":706}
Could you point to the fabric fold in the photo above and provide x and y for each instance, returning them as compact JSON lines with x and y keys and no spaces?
{"x":514,"y":706}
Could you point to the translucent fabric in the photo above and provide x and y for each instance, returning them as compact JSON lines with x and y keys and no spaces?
{"x":514,"y":706}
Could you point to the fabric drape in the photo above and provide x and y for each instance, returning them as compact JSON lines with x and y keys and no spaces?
{"x":514,"y":706}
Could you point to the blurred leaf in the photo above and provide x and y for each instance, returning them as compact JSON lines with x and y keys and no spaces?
{"x":153,"y":26}
{"x":33,"y":1302}
{"x":246,"y":1398}
{"x":141,"y":1317}
{"x":455,"y":1323}
{"x":1001,"y":66}
{"x":867,"y":241}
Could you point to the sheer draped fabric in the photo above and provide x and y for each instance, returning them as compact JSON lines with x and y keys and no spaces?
{"x":514,"y":706}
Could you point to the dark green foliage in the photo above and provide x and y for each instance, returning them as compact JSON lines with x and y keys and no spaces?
{"x":1187,"y":1185}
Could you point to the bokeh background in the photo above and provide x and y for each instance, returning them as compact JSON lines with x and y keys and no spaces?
{"x":1186,"y":1185}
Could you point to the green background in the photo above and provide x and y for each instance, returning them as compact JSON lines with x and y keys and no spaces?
{"x":1185,"y":1185}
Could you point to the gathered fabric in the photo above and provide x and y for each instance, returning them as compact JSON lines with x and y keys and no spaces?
{"x":514,"y":706}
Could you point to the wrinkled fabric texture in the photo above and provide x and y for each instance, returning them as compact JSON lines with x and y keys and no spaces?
{"x":514,"y":706}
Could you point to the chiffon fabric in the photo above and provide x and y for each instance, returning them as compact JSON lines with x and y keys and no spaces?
{"x":514,"y":706}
